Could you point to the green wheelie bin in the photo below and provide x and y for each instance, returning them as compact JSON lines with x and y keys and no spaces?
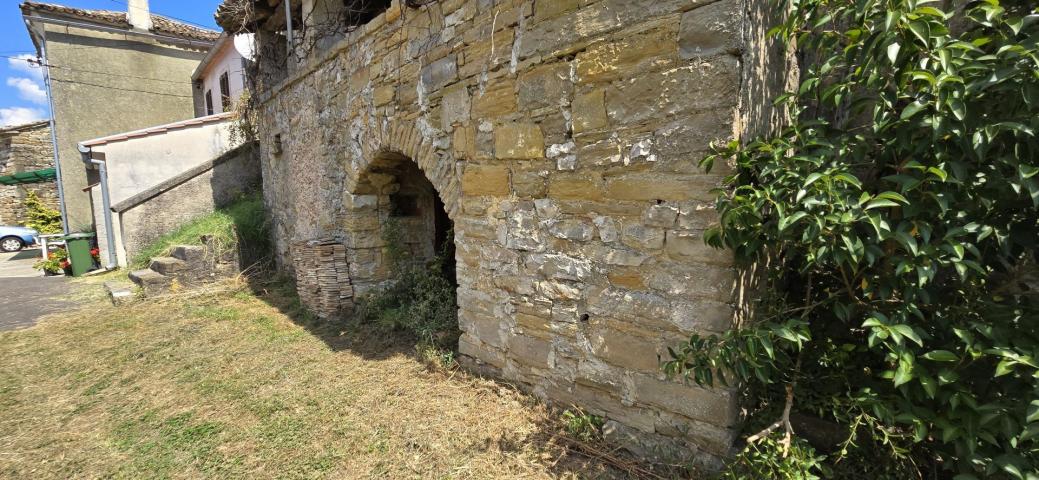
{"x":78,"y":245}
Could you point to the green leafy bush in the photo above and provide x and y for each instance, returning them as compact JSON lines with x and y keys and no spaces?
{"x":420,"y":300}
{"x":40,"y":217}
{"x":582,"y":425}
{"x":896,"y":222}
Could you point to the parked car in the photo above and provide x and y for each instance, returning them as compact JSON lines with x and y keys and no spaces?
{"x":13,"y":239}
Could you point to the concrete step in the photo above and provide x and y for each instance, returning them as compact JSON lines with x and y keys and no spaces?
{"x":119,"y":292}
{"x":150,"y":280}
{"x":189,"y":253}
{"x":168,"y":266}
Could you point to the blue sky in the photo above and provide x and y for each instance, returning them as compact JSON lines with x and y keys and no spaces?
{"x":22,"y":94}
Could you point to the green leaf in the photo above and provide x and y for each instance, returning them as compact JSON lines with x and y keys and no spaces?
{"x":908,"y":332}
{"x":1004,"y":367}
{"x":1033,"y":412}
{"x":892,"y":51}
{"x":912,"y":109}
{"x":940,"y":356}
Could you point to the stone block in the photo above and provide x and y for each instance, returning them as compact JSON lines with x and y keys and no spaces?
{"x":519,"y":141}
{"x":473,"y":347}
{"x":463,"y":142}
{"x":527,"y":183}
{"x":716,"y":407}
{"x":702,"y":316}
{"x":440,"y":73}
{"x":626,"y":277}
{"x":545,"y":86}
{"x":490,"y":180}
{"x":661,"y":216}
{"x":692,"y":248}
{"x":705,"y":85}
{"x":563,"y":186}
{"x":660,"y":187}
{"x":647,"y":51}
{"x":625,"y":350}
{"x":641,"y":237}
{"x":384,"y":95}
{"x":589,"y":111}
{"x":454,"y":106}
{"x":496,"y":99}
{"x":572,"y":229}
{"x":530,"y":351}
{"x":546,"y":9}
{"x":710,"y":30}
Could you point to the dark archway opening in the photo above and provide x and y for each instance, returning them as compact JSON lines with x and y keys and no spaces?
{"x":413,"y":287}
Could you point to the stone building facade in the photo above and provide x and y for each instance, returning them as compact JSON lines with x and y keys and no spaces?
{"x":25,"y":148}
{"x":562,"y":139}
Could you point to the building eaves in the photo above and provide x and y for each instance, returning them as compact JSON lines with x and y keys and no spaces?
{"x":159,"y":129}
{"x":16,"y":129}
{"x":160,"y":24}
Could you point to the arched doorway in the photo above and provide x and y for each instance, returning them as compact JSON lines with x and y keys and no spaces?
{"x":401,"y":250}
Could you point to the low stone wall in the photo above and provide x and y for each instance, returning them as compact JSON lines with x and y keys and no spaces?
{"x":23,"y":149}
{"x":152,"y":213}
{"x":562,"y":139}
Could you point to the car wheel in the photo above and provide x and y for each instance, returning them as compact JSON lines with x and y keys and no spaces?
{"x":11,"y":244}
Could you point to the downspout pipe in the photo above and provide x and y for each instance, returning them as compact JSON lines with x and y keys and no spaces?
{"x":288,"y":30}
{"x":106,"y":203}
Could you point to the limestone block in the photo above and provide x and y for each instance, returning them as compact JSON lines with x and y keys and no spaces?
{"x":625,"y":350}
{"x":561,"y":267}
{"x":608,"y":232}
{"x":497,"y":99}
{"x":641,"y":237}
{"x":589,"y":111}
{"x":545,"y":86}
{"x":615,"y":256}
{"x":710,"y":30}
{"x":697,"y":216}
{"x":661,"y":216}
{"x":647,"y":51}
{"x":716,"y":407}
{"x":473,"y":347}
{"x":702,"y":316}
{"x":692,"y":281}
{"x":440,"y":73}
{"x":692,"y":248}
{"x":384,"y":95}
{"x":486,"y":180}
{"x":553,"y":290}
{"x":618,"y":303}
{"x":519,"y":141}
{"x":463,"y":142}
{"x":454,"y":106}
{"x":529,"y":350}
{"x":573,"y":229}
{"x":523,"y":232}
{"x":529,"y":183}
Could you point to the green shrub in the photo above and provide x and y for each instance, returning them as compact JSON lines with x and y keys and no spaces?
{"x":40,"y":217}
{"x":896,"y":222}
{"x":421,"y":298}
{"x":582,"y":425}
{"x":241,"y":226}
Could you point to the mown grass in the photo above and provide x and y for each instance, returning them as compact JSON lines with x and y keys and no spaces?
{"x":228,"y":385}
{"x":241,"y":223}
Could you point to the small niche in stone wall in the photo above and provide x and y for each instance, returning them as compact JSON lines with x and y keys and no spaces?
{"x":323,"y":277}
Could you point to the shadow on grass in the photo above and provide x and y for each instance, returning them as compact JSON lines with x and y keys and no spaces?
{"x":364,"y":340}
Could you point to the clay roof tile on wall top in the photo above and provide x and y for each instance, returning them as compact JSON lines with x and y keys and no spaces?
{"x":160,"y":25}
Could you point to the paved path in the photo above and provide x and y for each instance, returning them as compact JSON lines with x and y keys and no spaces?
{"x":26,"y":295}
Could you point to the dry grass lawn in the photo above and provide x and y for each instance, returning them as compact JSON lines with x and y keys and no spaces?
{"x":230,"y":386}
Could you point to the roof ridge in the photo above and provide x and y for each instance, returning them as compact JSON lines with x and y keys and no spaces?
{"x":161,"y":24}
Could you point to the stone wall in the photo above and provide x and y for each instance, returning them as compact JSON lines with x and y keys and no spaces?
{"x":24,"y":149}
{"x":562,"y":137}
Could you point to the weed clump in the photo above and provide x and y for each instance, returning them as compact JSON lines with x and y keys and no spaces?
{"x":421,"y":299}
{"x":239,"y":227}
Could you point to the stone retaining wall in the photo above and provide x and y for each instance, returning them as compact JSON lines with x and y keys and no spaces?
{"x":562,"y":137}
{"x":24,"y":149}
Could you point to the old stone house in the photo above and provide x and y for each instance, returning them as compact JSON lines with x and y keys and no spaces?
{"x":559,"y":139}
{"x":110,"y":72}
{"x":25,"y":149}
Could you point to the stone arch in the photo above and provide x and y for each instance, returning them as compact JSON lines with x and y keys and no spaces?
{"x":404,"y":139}
{"x":414,"y":185}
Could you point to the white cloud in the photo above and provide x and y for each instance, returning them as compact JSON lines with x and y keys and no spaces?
{"x":20,"y":115}
{"x":22,"y":64}
{"x":28,"y":89}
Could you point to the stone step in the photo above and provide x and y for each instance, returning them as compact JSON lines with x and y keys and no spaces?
{"x":189,"y":253}
{"x":168,"y":266}
{"x":119,"y":292}
{"x":150,"y":280}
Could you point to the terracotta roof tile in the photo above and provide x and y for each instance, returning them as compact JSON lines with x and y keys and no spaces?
{"x":160,"y":25}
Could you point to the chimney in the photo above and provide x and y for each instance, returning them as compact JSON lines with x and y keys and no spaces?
{"x":138,"y":14}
